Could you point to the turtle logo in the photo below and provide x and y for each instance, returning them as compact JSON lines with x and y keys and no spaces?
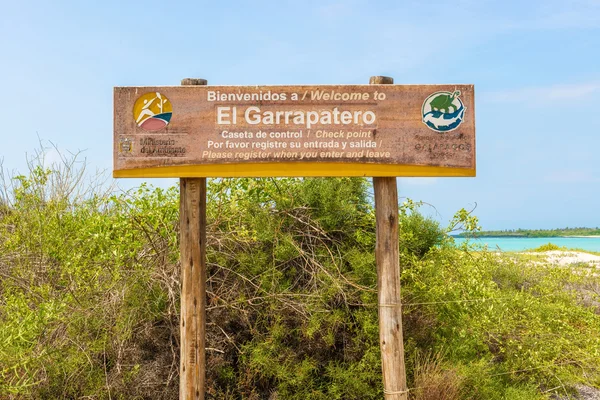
{"x":443,"y":111}
{"x":152,"y":111}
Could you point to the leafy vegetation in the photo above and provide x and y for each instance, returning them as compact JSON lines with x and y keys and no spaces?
{"x":535,"y":233}
{"x":547,"y":247}
{"x":89,"y":298}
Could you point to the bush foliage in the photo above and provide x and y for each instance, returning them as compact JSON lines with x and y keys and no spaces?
{"x":89,"y":298}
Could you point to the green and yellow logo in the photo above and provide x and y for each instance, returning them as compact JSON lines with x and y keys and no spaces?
{"x":443,"y":111}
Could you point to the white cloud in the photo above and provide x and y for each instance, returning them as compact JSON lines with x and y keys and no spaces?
{"x":572,"y":176}
{"x":334,"y":10}
{"x":545,"y":94}
{"x":52,"y":157}
{"x":580,"y":19}
{"x":417,"y":181}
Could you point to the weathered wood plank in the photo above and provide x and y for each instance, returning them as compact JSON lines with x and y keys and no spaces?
{"x":192,"y":222}
{"x":410,"y":130}
{"x":193,"y":287}
{"x":388,"y":282}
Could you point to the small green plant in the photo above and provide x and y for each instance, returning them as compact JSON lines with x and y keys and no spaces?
{"x":418,"y":234}
{"x":548,"y":247}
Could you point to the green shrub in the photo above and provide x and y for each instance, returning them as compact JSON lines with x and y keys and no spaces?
{"x":548,"y":247}
{"x":419,"y":234}
{"x":89,"y":298}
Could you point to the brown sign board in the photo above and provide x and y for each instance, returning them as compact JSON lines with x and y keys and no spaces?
{"x":253,"y":131}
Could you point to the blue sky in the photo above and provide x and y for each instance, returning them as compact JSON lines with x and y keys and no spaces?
{"x":535,"y":66}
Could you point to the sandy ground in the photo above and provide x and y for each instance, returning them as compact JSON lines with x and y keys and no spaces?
{"x":571,"y":257}
{"x":561,"y":257}
{"x":585,"y":236}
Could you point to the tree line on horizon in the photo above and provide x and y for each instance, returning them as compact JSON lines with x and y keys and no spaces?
{"x":533,"y":233}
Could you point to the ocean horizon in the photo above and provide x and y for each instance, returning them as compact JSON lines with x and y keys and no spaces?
{"x":525,"y":243}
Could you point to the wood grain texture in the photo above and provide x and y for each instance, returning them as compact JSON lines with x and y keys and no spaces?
{"x":193,"y":288}
{"x":192,"y":222}
{"x":381,"y":80}
{"x":388,"y":285}
{"x":199,"y":137}
{"x":388,"y":282}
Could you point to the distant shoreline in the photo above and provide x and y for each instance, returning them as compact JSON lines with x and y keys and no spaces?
{"x":580,"y":232}
{"x":583,"y":236}
{"x":521,"y":236}
{"x":590,"y":243}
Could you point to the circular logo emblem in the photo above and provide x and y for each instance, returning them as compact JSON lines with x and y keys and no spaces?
{"x":443,"y":111}
{"x":152,"y":111}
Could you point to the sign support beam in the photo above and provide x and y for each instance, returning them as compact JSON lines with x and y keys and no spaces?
{"x":388,"y":282}
{"x":192,"y":220}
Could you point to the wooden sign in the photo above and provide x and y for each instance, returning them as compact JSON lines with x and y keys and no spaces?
{"x":341,"y":130}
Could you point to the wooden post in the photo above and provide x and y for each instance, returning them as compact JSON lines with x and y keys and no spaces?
{"x":192,"y":222}
{"x":388,"y":282}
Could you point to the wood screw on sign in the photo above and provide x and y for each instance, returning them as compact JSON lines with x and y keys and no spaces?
{"x":388,"y":281}
{"x":192,"y":222}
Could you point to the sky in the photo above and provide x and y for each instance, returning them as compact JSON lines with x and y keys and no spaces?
{"x":535,"y":66}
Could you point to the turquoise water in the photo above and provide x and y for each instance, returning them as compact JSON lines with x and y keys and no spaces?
{"x":519,"y":244}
